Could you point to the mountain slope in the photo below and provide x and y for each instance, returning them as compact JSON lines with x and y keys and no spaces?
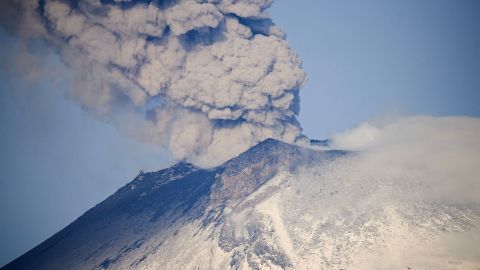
{"x":276,"y":206}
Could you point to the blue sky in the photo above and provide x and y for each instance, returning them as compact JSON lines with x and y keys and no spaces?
{"x":364,"y":60}
{"x":368,"y":59}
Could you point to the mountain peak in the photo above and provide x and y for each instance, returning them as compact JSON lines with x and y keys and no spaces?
{"x":275,"y":206}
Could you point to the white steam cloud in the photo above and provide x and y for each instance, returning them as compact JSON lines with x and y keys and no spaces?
{"x":206,"y":78}
{"x":441,"y":155}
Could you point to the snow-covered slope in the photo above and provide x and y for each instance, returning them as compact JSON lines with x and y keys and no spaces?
{"x":276,"y":206}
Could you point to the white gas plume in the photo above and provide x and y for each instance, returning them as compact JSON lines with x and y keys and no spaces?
{"x":206,"y":78}
{"x":438,"y":155}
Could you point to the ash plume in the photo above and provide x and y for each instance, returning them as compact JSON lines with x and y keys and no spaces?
{"x":206,"y":78}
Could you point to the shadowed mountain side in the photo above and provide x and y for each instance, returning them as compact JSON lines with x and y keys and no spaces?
{"x":147,"y":205}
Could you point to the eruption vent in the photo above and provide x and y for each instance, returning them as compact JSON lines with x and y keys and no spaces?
{"x":206,"y":78}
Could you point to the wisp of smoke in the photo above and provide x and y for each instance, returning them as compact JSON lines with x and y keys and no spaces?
{"x":439,"y":154}
{"x":206,"y":78}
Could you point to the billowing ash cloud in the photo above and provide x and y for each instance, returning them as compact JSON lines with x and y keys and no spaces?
{"x":207,"y":78}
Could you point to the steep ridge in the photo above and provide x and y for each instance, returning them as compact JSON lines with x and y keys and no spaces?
{"x":244,"y":174}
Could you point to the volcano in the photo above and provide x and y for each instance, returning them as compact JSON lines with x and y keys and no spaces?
{"x":275,"y":206}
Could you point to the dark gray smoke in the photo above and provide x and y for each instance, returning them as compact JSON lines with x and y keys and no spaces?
{"x":206,"y":78}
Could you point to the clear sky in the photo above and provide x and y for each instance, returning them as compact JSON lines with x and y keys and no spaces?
{"x":364,"y":59}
